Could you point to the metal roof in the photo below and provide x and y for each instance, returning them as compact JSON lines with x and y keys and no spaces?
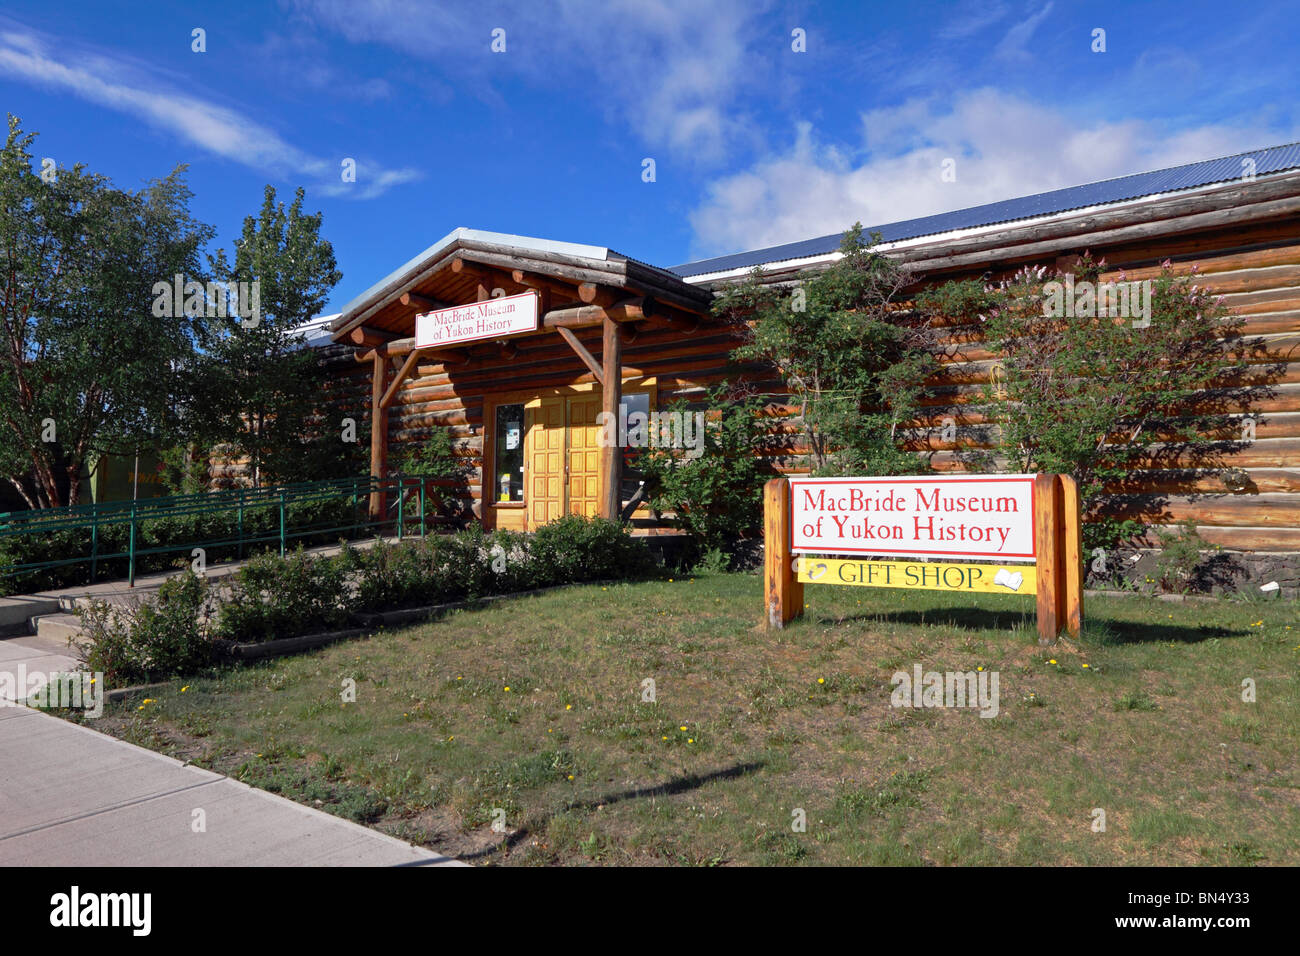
{"x":1271,"y":159}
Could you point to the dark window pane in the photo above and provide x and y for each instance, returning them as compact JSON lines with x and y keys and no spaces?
{"x":508,"y":473}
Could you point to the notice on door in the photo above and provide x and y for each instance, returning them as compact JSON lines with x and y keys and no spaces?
{"x":969,"y":516}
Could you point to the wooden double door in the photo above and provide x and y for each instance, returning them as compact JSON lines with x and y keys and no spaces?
{"x":561,"y":458}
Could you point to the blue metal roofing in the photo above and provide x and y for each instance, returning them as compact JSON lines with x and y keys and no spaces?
{"x":1272,"y":159}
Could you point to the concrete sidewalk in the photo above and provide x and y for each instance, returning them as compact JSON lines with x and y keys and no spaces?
{"x":70,"y":796}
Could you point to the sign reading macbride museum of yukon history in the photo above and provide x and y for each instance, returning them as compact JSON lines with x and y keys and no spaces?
{"x":872,"y":522}
{"x":489,"y":319}
{"x":967,"y":516}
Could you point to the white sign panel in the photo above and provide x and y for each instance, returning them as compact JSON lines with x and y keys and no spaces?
{"x":968,"y":516}
{"x":490,"y":319}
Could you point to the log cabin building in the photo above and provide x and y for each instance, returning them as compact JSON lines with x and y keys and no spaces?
{"x":612,"y":330}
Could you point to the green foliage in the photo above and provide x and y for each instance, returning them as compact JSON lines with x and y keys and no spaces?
{"x":855,"y":365}
{"x":1096,"y":396}
{"x":473,"y":563}
{"x":435,"y":458}
{"x":576,"y":548}
{"x":256,"y":391}
{"x":1179,"y":556}
{"x":153,"y":641}
{"x":85,"y":364}
{"x":716,"y":495}
{"x":274,"y":597}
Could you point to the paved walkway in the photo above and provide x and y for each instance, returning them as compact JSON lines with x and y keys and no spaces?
{"x":70,"y":796}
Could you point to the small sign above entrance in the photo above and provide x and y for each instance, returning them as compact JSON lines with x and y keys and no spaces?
{"x":490,"y":319}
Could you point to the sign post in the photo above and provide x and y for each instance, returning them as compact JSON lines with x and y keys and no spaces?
{"x":1008,"y":520}
{"x":782,"y":591}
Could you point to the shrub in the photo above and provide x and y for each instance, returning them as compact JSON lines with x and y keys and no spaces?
{"x":151,"y":641}
{"x":576,"y":549}
{"x":1179,"y":557}
{"x":715,"y":496}
{"x":273,"y":597}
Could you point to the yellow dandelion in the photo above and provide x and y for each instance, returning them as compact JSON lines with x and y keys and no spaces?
{"x":568,"y":707}
{"x":1085,"y":665}
{"x":507,"y":690}
{"x":1052,"y":661}
{"x":665,"y":736}
{"x":570,"y":776}
{"x":979,"y":668}
{"x":183,"y":689}
{"x":690,"y":740}
{"x":821,"y":680}
{"x":682,"y":727}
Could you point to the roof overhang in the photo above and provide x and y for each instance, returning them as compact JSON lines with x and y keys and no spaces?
{"x":430,"y":275}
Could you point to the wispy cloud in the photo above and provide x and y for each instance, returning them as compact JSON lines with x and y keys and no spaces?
{"x":673,"y":71}
{"x":1003,"y":146}
{"x":220,"y":130}
{"x":1017,"y":38}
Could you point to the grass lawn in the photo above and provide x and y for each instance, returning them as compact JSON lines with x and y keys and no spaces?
{"x":533,"y":706}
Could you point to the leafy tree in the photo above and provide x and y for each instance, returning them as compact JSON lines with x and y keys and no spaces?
{"x":715,"y":495}
{"x":1096,"y":396}
{"x":257,"y":391}
{"x":853,"y":362}
{"x":86,"y":366}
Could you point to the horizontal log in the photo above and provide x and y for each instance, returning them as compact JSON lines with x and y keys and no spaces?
{"x":1226,"y":510}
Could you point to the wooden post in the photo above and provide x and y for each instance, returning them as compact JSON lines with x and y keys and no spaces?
{"x":378,"y":434}
{"x":1072,"y":557}
{"x":782,"y":592}
{"x":1047,"y":545}
{"x":611,"y":455}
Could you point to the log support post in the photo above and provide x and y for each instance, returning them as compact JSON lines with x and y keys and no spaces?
{"x":611,"y":454}
{"x":782,"y":591}
{"x":378,"y":433}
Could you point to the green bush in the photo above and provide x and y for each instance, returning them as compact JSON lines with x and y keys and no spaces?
{"x":273,"y":597}
{"x":153,"y":641}
{"x":473,"y":563}
{"x":576,"y":549}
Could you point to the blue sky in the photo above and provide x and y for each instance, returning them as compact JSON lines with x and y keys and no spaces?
{"x":753,"y":143}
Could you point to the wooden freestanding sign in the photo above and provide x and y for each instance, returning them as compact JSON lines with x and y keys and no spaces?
{"x":1026,"y":525}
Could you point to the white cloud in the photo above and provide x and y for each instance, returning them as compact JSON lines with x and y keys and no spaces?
{"x":217,"y":129}
{"x":671,"y":70}
{"x":1004,"y":146}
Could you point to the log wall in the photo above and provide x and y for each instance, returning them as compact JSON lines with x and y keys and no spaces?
{"x":1256,"y":268}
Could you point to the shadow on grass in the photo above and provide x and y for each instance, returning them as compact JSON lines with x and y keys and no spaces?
{"x":1102,"y":630}
{"x":677,"y":785}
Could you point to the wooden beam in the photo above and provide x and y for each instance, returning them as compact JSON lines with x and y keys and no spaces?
{"x":611,"y":394}
{"x":422,"y":302}
{"x":399,"y":347}
{"x":587,"y":292}
{"x":629,"y":310}
{"x":364,"y":335}
{"x":396,"y":384}
{"x":378,"y":434}
{"x":587,"y":358}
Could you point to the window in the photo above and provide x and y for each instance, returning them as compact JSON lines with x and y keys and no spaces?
{"x":509,"y":459}
{"x":636,"y":402}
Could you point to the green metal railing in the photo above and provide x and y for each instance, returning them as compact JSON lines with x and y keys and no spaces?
{"x":116,"y":537}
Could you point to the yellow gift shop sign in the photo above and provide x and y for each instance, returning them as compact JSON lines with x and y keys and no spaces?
{"x":919,"y":575}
